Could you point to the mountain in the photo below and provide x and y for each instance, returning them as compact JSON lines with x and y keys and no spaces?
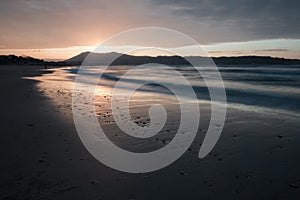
{"x":124,"y":59}
{"x":101,"y":57}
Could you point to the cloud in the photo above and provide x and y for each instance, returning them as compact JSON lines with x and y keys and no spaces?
{"x":61,"y":23}
{"x":64,"y":23}
{"x":255,"y":18}
{"x":271,"y":50}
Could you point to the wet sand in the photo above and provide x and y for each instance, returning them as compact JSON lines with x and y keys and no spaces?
{"x":257,"y":156}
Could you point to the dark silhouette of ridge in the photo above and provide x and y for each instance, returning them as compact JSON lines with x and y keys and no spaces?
{"x":19,"y":60}
{"x":124,"y":59}
{"x":114,"y":58}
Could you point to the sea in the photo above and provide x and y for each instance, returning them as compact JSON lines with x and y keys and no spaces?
{"x":267,"y":89}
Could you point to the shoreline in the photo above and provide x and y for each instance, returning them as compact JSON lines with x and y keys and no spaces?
{"x":43,"y":157}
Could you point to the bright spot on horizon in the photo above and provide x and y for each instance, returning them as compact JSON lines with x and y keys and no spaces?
{"x":287,"y":48}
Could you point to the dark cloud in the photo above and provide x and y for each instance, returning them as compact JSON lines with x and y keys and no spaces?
{"x":271,"y":50}
{"x":63,"y":23}
{"x":258,"y":19}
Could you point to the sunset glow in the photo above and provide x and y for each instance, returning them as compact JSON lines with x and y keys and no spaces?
{"x":61,"y":29}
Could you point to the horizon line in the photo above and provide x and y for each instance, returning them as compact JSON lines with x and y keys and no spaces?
{"x":224,"y":56}
{"x":288,"y":48}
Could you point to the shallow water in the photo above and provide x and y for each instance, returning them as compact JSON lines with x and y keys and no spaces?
{"x":269,"y":89}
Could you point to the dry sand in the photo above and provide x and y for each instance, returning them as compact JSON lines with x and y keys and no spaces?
{"x":257,"y":156}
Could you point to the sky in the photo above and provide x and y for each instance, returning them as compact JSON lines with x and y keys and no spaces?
{"x":59,"y":29}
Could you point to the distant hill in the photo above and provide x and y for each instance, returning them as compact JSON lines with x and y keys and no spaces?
{"x":98,"y":57}
{"x":248,"y":60}
{"x":124,"y":59}
{"x":19,"y":60}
